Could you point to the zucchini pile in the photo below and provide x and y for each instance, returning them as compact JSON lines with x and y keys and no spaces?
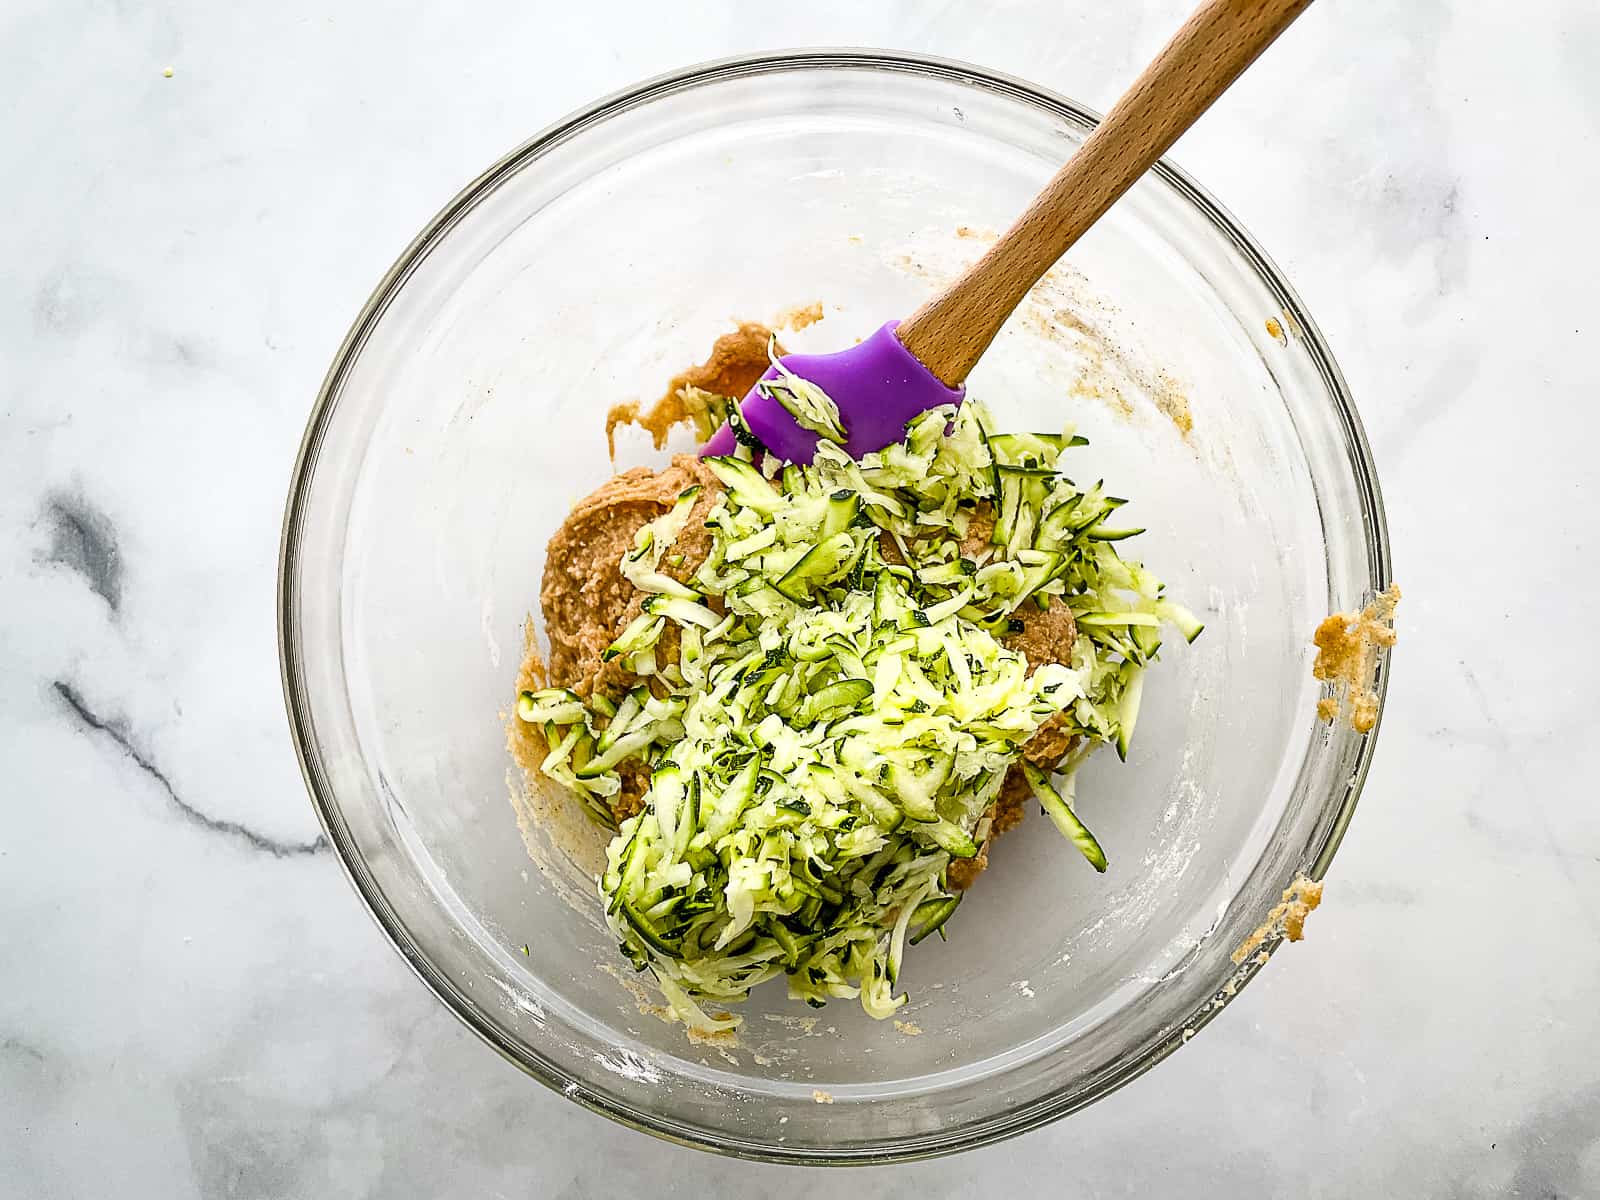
{"x":827,"y":708}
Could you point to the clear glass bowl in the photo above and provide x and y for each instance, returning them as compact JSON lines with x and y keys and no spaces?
{"x":464,"y":414}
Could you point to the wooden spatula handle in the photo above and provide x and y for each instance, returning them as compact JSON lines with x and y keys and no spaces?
{"x":1221,"y":39}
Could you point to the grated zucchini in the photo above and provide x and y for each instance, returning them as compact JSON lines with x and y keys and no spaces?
{"x":840,"y":717}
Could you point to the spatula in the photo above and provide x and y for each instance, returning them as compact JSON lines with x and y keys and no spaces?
{"x":910,"y":366}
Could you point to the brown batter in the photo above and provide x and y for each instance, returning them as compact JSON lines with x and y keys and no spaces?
{"x":802,"y":316}
{"x":1347,"y":651}
{"x":1287,"y":917}
{"x":585,"y":599}
{"x":980,"y":527}
{"x":1047,"y":636}
{"x":700,"y":395}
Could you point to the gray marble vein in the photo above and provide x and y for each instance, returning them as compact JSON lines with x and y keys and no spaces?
{"x":118,"y":732}
{"x":192,"y":1001}
{"x":83,"y":539}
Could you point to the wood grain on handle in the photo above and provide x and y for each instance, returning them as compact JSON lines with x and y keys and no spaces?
{"x":950,"y":332}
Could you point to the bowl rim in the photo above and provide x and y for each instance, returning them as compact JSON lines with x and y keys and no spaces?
{"x":984,"y":1131}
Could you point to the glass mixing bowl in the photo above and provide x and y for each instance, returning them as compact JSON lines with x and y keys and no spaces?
{"x":464,"y":414}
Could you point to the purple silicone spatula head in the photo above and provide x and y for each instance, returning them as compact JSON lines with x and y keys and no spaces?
{"x":878,"y":385}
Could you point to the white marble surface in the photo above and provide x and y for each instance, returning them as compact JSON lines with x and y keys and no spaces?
{"x":192,"y":1001}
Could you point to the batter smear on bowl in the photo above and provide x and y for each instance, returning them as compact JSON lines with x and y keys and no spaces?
{"x":807,"y":699}
{"x":1348,"y":645}
{"x":702,"y":396}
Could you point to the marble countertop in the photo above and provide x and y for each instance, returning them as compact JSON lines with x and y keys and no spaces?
{"x":194,"y":1002}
